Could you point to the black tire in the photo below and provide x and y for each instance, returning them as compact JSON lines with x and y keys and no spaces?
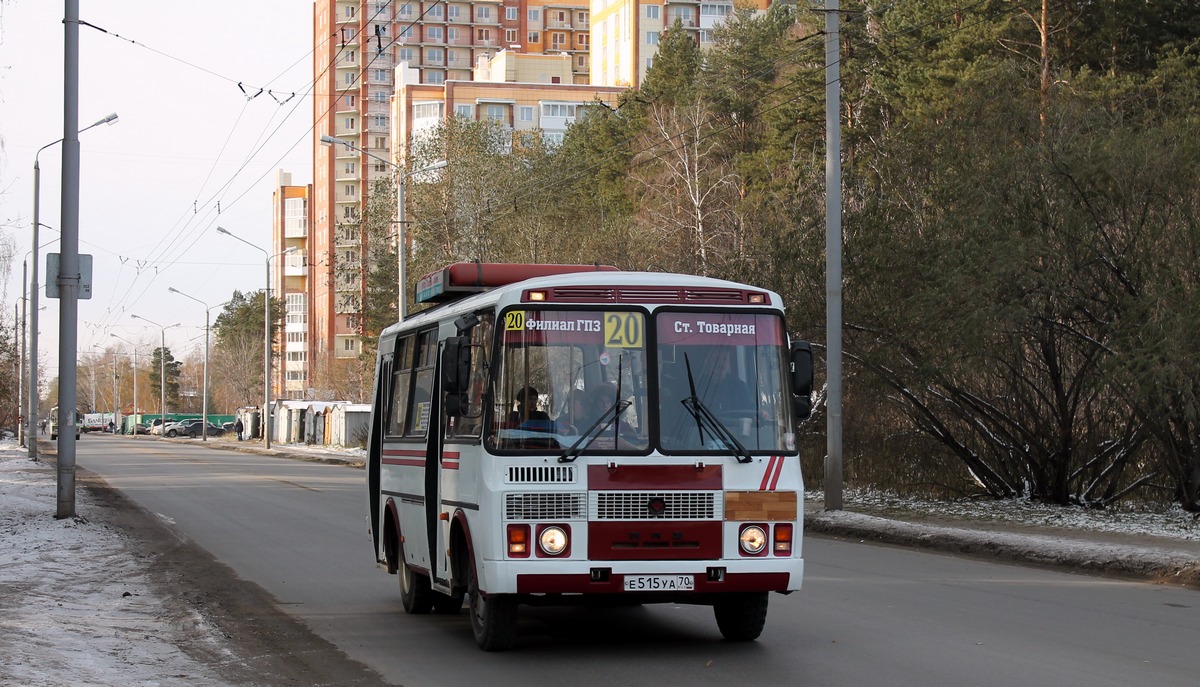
{"x":192,"y":435}
{"x":415,"y":594}
{"x":171,"y":433}
{"x":493,"y":618}
{"x":741,"y":617}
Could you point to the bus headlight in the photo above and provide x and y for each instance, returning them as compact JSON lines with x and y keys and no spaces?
{"x":552,"y":540}
{"x":753,"y":539}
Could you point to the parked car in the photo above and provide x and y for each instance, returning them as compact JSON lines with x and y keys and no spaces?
{"x":156,"y":426}
{"x":141,"y":428}
{"x":179,"y":427}
{"x":192,"y":427}
{"x":196,"y":429}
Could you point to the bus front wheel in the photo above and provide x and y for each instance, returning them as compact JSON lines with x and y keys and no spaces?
{"x":493,"y":617}
{"x":741,"y":617}
{"x":415,"y":592}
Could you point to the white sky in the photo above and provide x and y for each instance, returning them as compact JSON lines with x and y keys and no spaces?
{"x":187,"y":138}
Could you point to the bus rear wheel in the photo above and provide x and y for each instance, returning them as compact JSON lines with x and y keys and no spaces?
{"x":493,"y":617}
{"x":741,"y":617}
{"x":415,"y":594}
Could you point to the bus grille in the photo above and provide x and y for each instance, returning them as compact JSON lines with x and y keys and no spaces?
{"x":545,"y":506}
{"x":541,"y":474}
{"x":645,"y":505}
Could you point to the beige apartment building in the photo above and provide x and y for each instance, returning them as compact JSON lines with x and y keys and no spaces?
{"x":526,"y":94}
{"x":625,"y":33}
{"x":357,"y":46}
{"x":291,"y":217}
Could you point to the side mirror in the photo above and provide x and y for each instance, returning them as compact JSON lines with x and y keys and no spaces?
{"x":802,"y":378}
{"x":456,"y":373}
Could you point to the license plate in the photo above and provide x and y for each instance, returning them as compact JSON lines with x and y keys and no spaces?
{"x":659,"y":583}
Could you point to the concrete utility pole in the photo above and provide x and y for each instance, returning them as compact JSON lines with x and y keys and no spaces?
{"x":833,"y":257}
{"x":68,"y":278}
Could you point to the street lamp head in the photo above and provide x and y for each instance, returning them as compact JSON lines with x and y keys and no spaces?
{"x":172,"y":289}
{"x":223,"y":230}
{"x":110,"y":119}
{"x":330,"y":139}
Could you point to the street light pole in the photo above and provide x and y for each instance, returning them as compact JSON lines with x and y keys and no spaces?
{"x":32,"y":412}
{"x":401,"y":239}
{"x":204,"y":400}
{"x":264,"y":420}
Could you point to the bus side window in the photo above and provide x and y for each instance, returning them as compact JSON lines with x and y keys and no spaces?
{"x":469,"y":424}
{"x":401,"y":379}
{"x":422,"y":384}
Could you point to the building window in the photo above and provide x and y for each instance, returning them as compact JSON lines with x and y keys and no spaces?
{"x":435,"y":33}
{"x":484,"y":35}
{"x":535,"y":15}
{"x":454,"y":12}
{"x":381,"y":121}
{"x":497,"y":113}
{"x":652,"y":11}
{"x":434,"y":56}
{"x":463,"y":111}
{"x":526,"y":113}
{"x":351,"y":190}
{"x":510,"y":36}
{"x":296,"y":356}
{"x":510,"y":13}
{"x":558,"y":109}
{"x":405,"y":54}
{"x":483,"y":14}
{"x":435,"y":76}
{"x":535,"y":37}
{"x":558,"y":41}
{"x":349,"y":345}
{"x":352,"y":322}
{"x":297,"y":337}
{"x":652,"y":38}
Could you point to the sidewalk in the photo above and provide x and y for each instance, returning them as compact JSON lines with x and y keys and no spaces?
{"x":1161,"y":559}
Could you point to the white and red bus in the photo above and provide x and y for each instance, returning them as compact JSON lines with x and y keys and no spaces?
{"x":553,"y":434}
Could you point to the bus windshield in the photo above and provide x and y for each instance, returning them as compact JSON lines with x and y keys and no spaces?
{"x":559,"y":371}
{"x":721,"y":380}
{"x":587,"y":382}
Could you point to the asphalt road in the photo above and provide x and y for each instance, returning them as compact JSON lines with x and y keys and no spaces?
{"x":868,"y":614}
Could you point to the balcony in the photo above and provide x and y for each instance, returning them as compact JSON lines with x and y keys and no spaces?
{"x":295,"y":266}
{"x":343,"y":198}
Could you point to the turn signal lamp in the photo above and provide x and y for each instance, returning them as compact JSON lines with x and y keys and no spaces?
{"x":518,"y":541}
{"x":537,"y":295}
{"x":783,"y":540}
{"x":758,"y":298}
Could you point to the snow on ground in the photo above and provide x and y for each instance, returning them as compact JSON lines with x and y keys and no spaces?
{"x":1172,"y":523}
{"x":76,"y":607}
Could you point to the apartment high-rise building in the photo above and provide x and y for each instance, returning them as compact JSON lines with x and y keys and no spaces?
{"x":625,"y":34}
{"x":291,"y":218}
{"x":357,"y":45}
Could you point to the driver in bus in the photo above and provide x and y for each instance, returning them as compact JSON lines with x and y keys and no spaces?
{"x":526,"y":415}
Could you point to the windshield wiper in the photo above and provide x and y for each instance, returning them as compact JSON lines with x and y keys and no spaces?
{"x":592,"y":433}
{"x":706,"y":420}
